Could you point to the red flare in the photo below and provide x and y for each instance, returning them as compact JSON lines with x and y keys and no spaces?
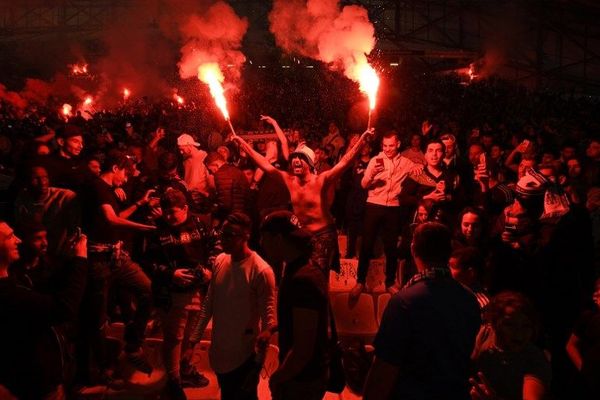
{"x":211,"y":74}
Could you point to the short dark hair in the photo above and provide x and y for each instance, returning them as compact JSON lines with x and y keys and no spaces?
{"x":115,"y":158}
{"x":503,"y":301}
{"x":167,"y":161}
{"x":435,"y":141}
{"x":173,"y":198}
{"x":432,"y":243}
{"x":240,"y":220}
{"x":469,"y":257}
{"x":214,"y":156}
{"x":390,"y":134}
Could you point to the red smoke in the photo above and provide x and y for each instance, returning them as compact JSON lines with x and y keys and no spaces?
{"x":319,"y":29}
{"x":213,"y":37}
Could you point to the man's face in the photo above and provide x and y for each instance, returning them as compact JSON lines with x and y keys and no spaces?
{"x":73,"y":145}
{"x":186,"y":150}
{"x":459,"y":274}
{"x":119,"y":177}
{"x":38,"y":243}
{"x":434,"y":154}
{"x":524,"y":165}
{"x":568,"y":153}
{"x":39,"y":183}
{"x":474,"y":152}
{"x":320,"y":155}
{"x":270,"y":245}
{"x":224,"y":151}
{"x":94,"y":166}
{"x":176,"y":215}
{"x":593,"y":150}
{"x":574,"y":168}
{"x":233,"y":238}
{"x":299,"y":166}
{"x":9,"y":242}
{"x":415,"y":141}
{"x":390,"y":146}
{"x":496,"y":152}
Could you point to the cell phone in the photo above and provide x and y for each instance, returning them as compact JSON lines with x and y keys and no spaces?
{"x":379,"y":161}
{"x":482,"y":159}
{"x":510,"y":228}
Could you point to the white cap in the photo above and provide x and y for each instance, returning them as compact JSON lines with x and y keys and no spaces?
{"x":185,"y":139}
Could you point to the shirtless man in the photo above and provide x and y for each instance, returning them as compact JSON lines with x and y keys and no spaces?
{"x":311,"y":195}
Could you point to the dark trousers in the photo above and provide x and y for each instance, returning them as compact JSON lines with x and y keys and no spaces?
{"x":385,"y":220}
{"x":241,"y":383}
{"x":105,"y":270}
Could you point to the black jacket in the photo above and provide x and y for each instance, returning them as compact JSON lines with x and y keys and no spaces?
{"x":30,"y":348}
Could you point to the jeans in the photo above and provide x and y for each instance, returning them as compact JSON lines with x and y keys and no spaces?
{"x":235,"y":385}
{"x":104,"y":270}
{"x":295,"y":390}
{"x":387,"y":220}
{"x":174,"y":322}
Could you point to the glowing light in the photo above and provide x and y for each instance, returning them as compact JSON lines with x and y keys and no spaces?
{"x":79,"y":69}
{"x":66,"y":109}
{"x":88,"y":100}
{"x":178,"y":98}
{"x":368,"y":83}
{"x":211,"y":75}
{"x":126,"y":94}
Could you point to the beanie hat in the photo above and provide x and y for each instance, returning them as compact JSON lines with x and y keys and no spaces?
{"x":305,"y":153}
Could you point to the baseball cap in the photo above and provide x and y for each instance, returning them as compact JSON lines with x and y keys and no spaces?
{"x":185,"y":140}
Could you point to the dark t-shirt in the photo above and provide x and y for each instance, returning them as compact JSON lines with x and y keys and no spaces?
{"x":428,"y":331}
{"x":95,"y":225}
{"x":303,"y":286}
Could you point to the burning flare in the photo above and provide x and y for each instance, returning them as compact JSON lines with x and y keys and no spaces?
{"x":211,"y":74}
{"x":368,"y":82}
{"x":88,"y":100}
{"x":126,"y":94}
{"x":66,"y":109}
{"x":178,"y":99}
{"x":79,"y":69}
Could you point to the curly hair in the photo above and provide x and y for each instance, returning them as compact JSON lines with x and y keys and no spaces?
{"x":509,"y":300}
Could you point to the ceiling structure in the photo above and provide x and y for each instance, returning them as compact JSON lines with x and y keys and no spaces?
{"x":543,"y":43}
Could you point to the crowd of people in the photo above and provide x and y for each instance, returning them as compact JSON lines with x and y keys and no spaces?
{"x":486,"y":199}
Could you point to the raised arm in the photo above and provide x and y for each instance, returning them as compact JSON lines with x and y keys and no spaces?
{"x":261,"y":161}
{"x":285,"y":148}
{"x":347,"y":159}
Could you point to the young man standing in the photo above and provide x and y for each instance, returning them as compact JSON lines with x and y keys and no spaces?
{"x":241,"y":304}
{"x":383,"y":178}
{"x":110,"y":263}
{"x":178,"y":257}
{"x":301,"y":311}
{"x":427,"y":333}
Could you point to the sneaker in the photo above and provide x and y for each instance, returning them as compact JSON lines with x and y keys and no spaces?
{"x":193,"y":379}
{"x":356,"y":291}
{"x":140,"y":362}
{"x":174,"y":390}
